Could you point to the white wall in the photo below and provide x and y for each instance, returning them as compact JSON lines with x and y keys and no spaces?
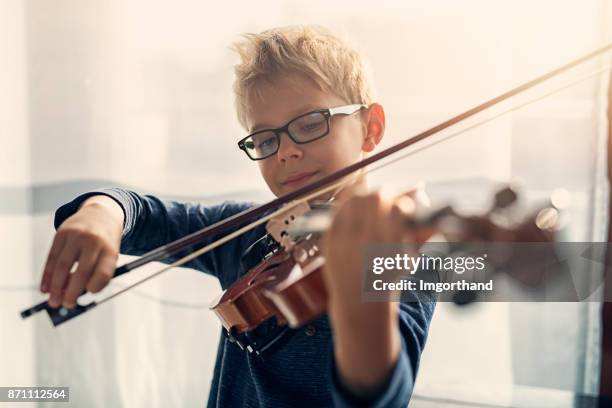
{"x":138,"y":93}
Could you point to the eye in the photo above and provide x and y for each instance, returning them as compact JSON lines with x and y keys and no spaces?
{"x":312,"y":126}
{"x":266,"y":143}
{"x":313,"y":122}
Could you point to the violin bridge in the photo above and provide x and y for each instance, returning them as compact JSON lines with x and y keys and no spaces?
{"x":277,"y":227}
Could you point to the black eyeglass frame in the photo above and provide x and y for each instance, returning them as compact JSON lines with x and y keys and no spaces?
{"x":328,"y":113}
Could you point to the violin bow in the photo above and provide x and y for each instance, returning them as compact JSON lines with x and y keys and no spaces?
{"x":262,"y":213}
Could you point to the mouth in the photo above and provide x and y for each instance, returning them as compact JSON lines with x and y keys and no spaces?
{"x":298,"y":180}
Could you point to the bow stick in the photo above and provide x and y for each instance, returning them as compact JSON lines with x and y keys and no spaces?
{"x":305,"y":193}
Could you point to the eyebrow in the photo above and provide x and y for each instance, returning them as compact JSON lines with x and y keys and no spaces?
{"x":303,"y":110}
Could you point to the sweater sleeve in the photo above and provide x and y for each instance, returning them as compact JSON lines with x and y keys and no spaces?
{"x":151,"y":222}
{"x":414,"y":319}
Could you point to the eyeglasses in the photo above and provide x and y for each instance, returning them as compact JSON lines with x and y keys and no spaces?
{"x":304,"y":129}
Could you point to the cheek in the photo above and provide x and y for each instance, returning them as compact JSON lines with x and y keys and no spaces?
{"x":268,"y":171}
{"x":347,"y":151}
{"x":265,"y":169}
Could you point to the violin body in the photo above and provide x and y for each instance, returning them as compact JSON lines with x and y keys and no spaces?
{"x":243,"y":306}
{"x":301,"y":297}
{"x":286,"y":285}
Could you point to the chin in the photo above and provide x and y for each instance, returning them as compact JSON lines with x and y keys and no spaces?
{"x":281,"y":191}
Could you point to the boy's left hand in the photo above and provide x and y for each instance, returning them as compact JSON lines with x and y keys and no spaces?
{"x":366,"y":336}
{"x":366,"y":218}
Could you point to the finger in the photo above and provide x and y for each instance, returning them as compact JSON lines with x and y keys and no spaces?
{"x":56,"y":249}
{"x":343,"y":222}
{"x":362,"y":213}
{"x":77,"y":280}
{"x":403,"y":209}
{"x":103,"y":271}
{"x":62,"y":269}
{"x":420,"y":196}
{"x":419,"y":201}
{"x":376,"y":214}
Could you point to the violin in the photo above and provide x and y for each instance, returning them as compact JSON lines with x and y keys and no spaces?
{"x":288,"y":284}
{"x":277,"y":294}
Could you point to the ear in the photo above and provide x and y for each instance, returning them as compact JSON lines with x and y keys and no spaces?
{"x":374,"y":127}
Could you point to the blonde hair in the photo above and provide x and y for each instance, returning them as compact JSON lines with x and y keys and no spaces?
{"x":309,"y":50}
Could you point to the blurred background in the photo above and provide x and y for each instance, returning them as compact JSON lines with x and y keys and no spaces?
{"x":137,"y":94}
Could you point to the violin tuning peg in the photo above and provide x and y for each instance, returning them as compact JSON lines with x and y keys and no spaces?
{"x":504,"y":198}
{"x":548,"y":219}
{"x":561,"y":199}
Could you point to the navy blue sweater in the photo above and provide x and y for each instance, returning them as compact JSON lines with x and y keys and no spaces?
{"x":298,"y":373}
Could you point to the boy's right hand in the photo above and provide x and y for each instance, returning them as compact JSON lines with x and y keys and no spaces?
{"x":91,"y":237}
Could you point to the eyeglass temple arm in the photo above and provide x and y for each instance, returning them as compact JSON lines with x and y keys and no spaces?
{"x":346,"y":110}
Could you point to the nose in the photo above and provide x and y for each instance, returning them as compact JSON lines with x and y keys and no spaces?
{"x":288,"y":149}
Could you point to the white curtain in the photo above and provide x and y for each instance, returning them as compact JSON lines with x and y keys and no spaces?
{"x":138,"y":94}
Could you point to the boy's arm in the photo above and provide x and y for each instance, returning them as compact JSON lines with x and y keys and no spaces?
{"x":109,"y":204}
{"x":364,"y":340}
{"x":150,"y":222}
{"x":377,"y":345}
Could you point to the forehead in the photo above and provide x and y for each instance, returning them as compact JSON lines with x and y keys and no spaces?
{"x":274,"y":103}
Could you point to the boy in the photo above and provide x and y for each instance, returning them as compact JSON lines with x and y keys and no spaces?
{"x":303,"y":97}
